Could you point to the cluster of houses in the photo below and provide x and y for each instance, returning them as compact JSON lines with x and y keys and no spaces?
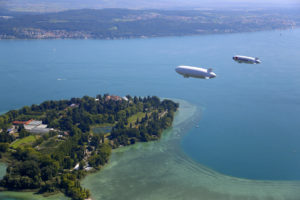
{"x":115,"y":98}
{"x":35,"y":126}
{"x":32,"y":126}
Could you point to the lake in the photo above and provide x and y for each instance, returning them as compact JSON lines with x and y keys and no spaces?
{"x":240,"y":132}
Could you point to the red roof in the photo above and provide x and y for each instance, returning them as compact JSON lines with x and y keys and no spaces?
{"x":22,"y":122}
{"x":113,"y":97}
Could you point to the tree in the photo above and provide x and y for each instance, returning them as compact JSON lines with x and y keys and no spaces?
{"x":4,"y":147}
{"x":23,"y":133}
{"x":66,"y":123}
{"x":6,"y":137}
{"x":29,"y":168}
{"x":95,"y":141}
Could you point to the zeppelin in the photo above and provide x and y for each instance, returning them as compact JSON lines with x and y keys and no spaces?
{"x":246,"y":59}
{"x":195,"y":72}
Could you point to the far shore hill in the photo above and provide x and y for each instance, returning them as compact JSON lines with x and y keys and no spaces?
{"x":125,"y":23}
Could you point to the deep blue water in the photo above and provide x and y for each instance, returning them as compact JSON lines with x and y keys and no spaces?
{"x":250,"y":124}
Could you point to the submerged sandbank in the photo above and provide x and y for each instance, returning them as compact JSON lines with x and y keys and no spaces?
{"x":30,"y":196}
{"x":160,"y":170}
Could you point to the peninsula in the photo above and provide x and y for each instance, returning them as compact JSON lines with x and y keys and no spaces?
{"x":51,"y":146}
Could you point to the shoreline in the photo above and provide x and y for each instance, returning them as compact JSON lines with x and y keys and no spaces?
{"x":276,"y":33}
{"x":169,"y":142}
{"x":171,"y":159}
{"x":149,"y":37}
{"x":159,"y":117}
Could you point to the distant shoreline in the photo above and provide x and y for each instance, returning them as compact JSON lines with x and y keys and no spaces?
{"x":112,"y":24}
{"x":154,"y":37}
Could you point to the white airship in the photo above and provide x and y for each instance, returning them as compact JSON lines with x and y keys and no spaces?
{"x":196,"y":72}
{"x":246,"y":59}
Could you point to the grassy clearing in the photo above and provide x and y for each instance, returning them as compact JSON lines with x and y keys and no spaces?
{"x":21,"y":142}
{"x":136,"y":116}
{"x":50,"y":145}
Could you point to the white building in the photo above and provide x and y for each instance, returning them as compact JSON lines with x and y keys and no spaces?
{"x":36,"y":127}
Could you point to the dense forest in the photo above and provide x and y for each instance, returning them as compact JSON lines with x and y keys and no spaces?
{"x":56,"y":161}
{"x":123,"y":23}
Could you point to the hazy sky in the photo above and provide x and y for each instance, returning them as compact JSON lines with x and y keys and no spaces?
{"x":50,"y":5}
{"x":233,"y":3}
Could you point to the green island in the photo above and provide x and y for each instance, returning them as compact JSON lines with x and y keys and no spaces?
{"x":49,"y":147}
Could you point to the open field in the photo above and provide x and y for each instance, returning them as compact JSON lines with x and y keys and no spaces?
{"x":133,"y":118}
{"x":24,"y":141}
{"x":50,"y":145}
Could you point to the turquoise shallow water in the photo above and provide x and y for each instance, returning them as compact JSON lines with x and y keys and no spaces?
{"x":29,"y":196}
{"x":247,"y":124}
{"x":161,"y":170}
{"x":2,"y":169}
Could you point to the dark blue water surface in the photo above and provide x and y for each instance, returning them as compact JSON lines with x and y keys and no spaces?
{"x":250,"y":124}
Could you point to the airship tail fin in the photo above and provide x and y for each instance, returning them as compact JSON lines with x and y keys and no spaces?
{"x":209,"y":70}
